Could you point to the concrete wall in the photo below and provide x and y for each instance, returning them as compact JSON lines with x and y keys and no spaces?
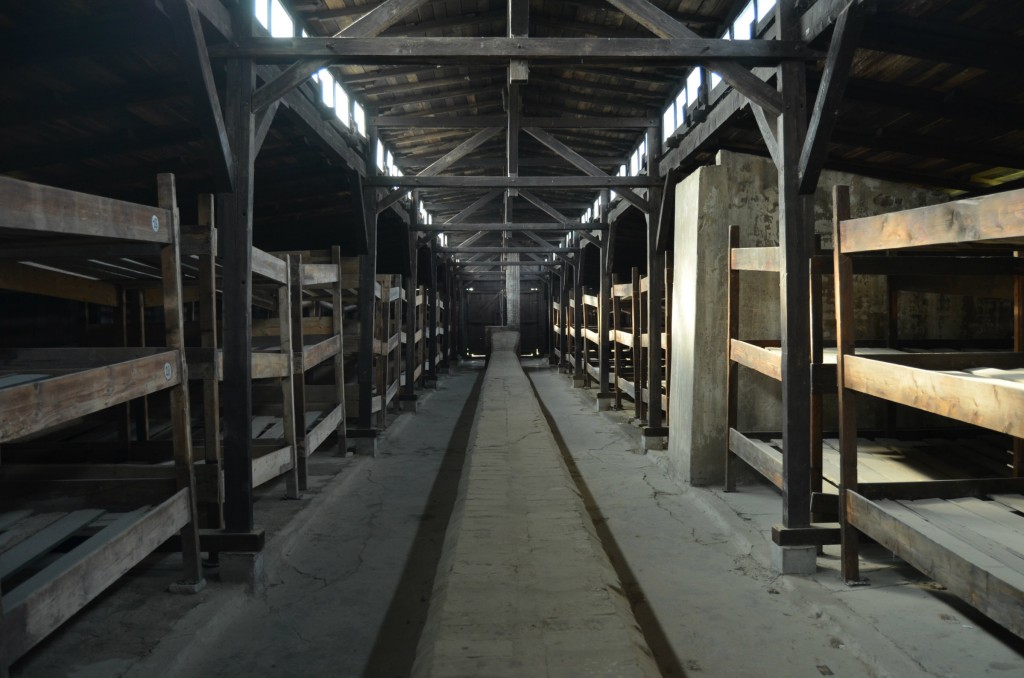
{"x":742,"y":190}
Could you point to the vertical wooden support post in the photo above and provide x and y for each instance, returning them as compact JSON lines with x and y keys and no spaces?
{"x":655,"y":289}
{"x":181,"y":424}
{"x":235,"y":214}
{"x":338,"y":326}
{"x":818,"y":360}
{"x":383,"y":334}
{"x":432,"y":316}
{"x":637,"y":328}
{"x":578,"y":314}
{"x":367,"y":293}
{"x":616,"y":346}
{"x":124,"y":418}
{"x":604,"y":304}
{"x":563,"y":317}
{"x":137,"y":321}
{"x":411,"y":311}
{"x":214,"y":513}
{"x":731,"y":368}
{"x":296,"y":477}
{"x":795,"y":236}
{"x":298,"y":341}
{"x":845,"y":343}
{"x":1018,"y":347}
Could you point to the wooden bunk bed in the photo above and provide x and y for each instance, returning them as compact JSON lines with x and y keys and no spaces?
{"x":966,"y":533}
{"x":274,"y":431}
{"x":319,"y":281}
{"x":115,"y":514}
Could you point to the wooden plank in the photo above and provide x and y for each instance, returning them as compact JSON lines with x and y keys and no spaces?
{"x":993,"y":218}
{"x":18,"y":277}
{"x":317,"y":353}
{"x":993,"y":588}
{"x":1009,"y":532}
{"x":319,"y":274}
{"x":9,"y":518}
{"x":992,"y":403}
{"x":266,"y":365}
{"x":493,"y":50}
{"x":44,"y":541}
{"x":31,"y":524}
{"x":269,"y":266}
{"x":759,"y":455}
{"x":38,"y":606}
{"x":34,"y":407}
{"x":768,"y":363}
{"x":1013,"y":501}
{"x":755,"y":259}
{"x":319,"y":433}
{"x":270,"y":465}
{"x":943,"y":489}
{"x":34,"y":207}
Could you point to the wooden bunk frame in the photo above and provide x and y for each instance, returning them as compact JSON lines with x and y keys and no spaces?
{"x":274,"y":453}
{"x":960,"y":532}
{"x":41,"y":223}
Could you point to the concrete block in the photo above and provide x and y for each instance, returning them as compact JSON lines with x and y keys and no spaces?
{"x":579,"y":382}
{"x":364,"y":446}
{"x":654,"y":442}
{"x":605,"y":402}
{"x":244,"y":568}
{"x":187,"y":587}
{"x":408,"y":403}
{"x":794,"y":559}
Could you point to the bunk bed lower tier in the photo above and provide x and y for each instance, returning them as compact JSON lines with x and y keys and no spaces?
{"x":967,"y":535}
{"x":54,"y":562}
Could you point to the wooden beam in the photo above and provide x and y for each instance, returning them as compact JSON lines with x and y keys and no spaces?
{"x":443,"y":163}
{"x":364,"y":51}
{"x":664,"y":26}
{"x":264,"y":120}
{"x":475,"y":206}
{"x":188,"y":33}
{"x":471,"y":122}
{"x":524,"y":226}
{"x":504,"y":182}
{"x":767,"y":133}
{"x":830,"y":94}
{"x":583,"y":164}
{"x":505,"y":250}
{"x":370,"y":25}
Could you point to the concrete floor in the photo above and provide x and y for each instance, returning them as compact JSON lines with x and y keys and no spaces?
{"x":350,"y":568}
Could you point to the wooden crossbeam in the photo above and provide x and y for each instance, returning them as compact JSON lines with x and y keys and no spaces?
{"x":366,"y":51}
{"x":370,"y":25}
{"x":475,"y":206}
{"x":583,"y":164}
{"x":443,"y":163}
{"x":524,"y":226}
{"x":469,"y":122}
{"x":613,"y":182}
{"x":830,"y":94}
{"x":663,"y":25}
{"x":188,"y":33}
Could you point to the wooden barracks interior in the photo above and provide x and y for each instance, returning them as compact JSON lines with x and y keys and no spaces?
{"x":512,"y":338}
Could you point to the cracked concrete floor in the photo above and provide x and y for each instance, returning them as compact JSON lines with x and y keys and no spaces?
{"x":695,"y":563}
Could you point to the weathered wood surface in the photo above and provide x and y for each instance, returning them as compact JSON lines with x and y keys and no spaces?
{"x":756,"y":358}
{"x":41,"y":604}
{"x":997,"y":218}
{"x":34,"y":407}
{"x":765,"y":259}
{"x":759,"y":455}
{"x":34,"y":207}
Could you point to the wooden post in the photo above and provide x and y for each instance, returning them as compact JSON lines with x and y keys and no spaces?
{"x":604,"y":304}
{"x":367,"y":295}
{"x":338,"y":326}
{"x":137,"y":321}
{"x":296,"y":478}
{"x":731,"y":368}
{"x":795,"y":235}
{"x":616,"y":346}
{"x":181,"y":423}
{"x":655,"y":289}
{"x":383,"y":334}
{"x":563,"y":318}
{"x":432,"y":315}
{"x":578,"y":353}
{"x":1018,"y":347}
{"x":817,"y":358}
{"x":845,"y":343}
{"x":235,"y":210}
{"x":297,"y":342}
{"x":637,"y":327}
{"x":409,"y":391}
{"x":208,"y":339}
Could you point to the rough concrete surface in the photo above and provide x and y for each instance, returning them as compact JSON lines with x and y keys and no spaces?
{"x":695,"y":563}
{"x":524,"y":587}
{"x":352,"y":564}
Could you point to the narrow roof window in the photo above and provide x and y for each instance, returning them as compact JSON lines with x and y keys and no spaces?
{"x":263,"y":12}
{"x":341,"y":104}
{"x":281,"y":25}
{"x":359,"y":117}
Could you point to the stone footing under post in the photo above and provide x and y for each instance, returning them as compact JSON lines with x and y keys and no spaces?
{"x":408,"y":403}
{"x":654,"y":438}
{"x":605,"y":402}
{"x":243,"y":568}
{"x":794,"y":559}
{"x":363,"y":442}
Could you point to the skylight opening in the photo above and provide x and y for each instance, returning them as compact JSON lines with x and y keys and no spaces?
{"x":380,"y":155}
{"x":693,"y":83}
{"x":342,"y":107}
{"x":263,"y":12}
{"x":764,"y":8}
{"x":681,"y":108}
{"x":743,"y":27}
{"x":668,"y":123}
{"x":634,"y":163}
{"x":281,"y":25}
{"x":359,"y":118}
{"x":327,"y":88}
